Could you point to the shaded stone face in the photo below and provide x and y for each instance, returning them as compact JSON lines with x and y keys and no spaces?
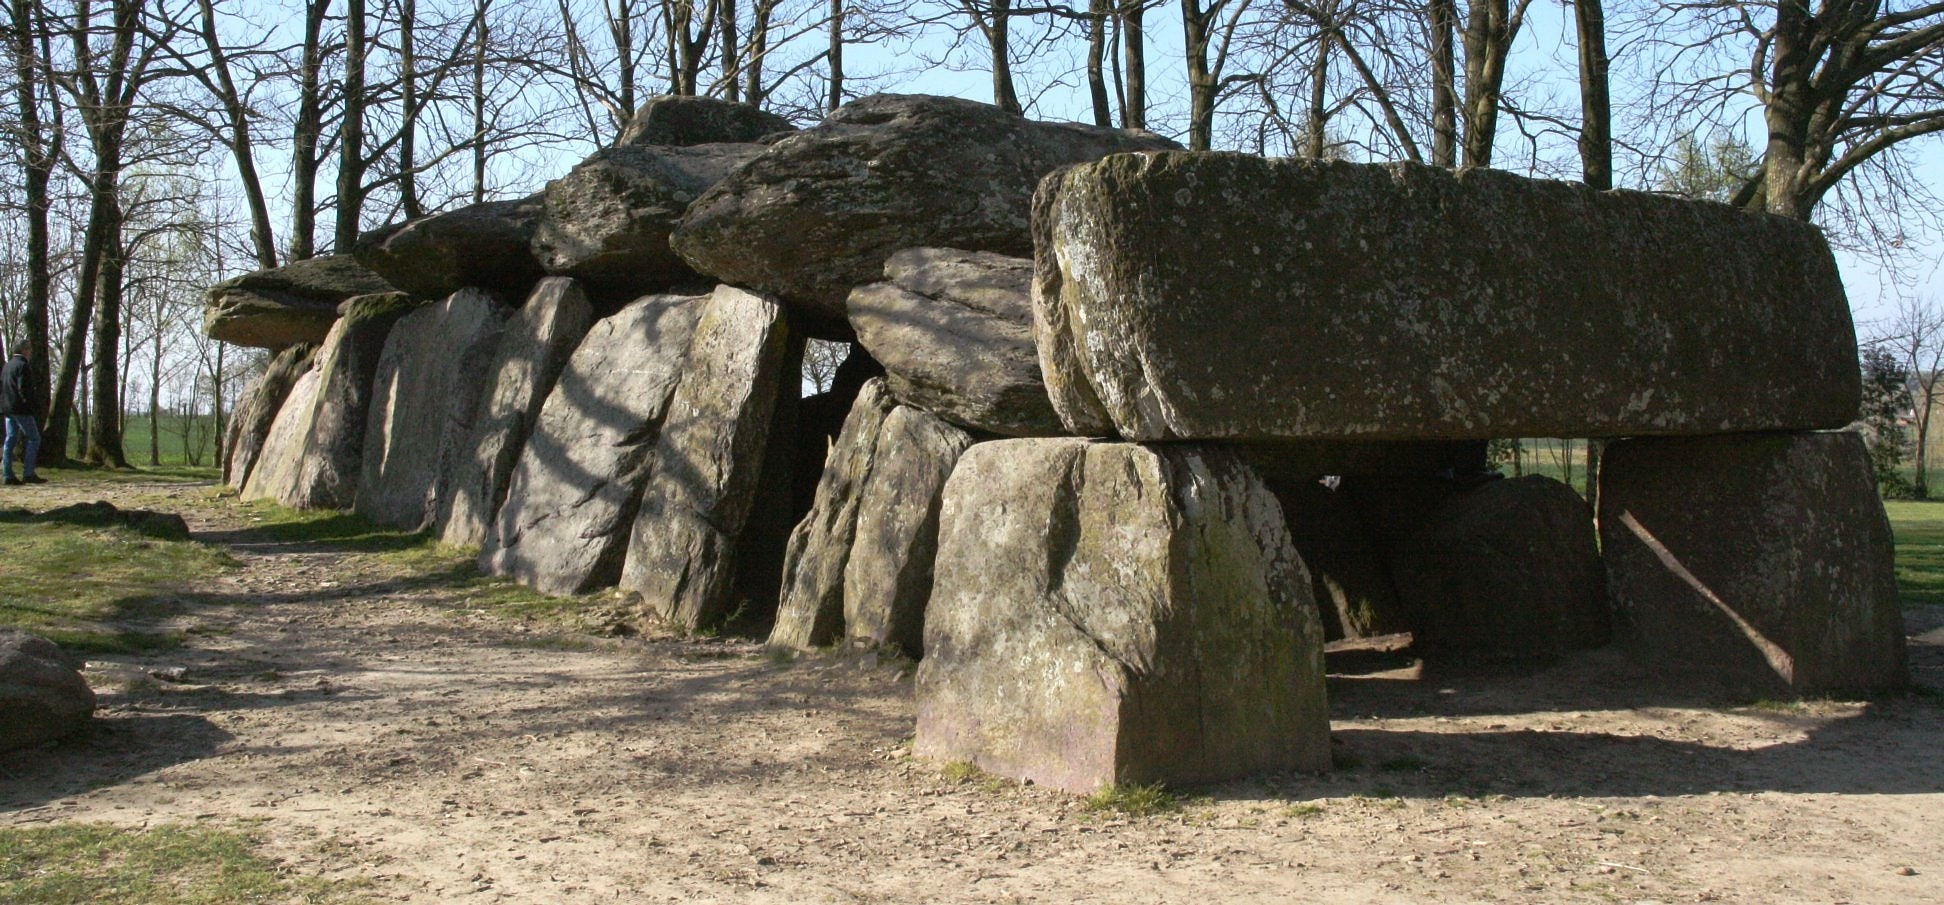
{"x":1508,"y":569}
{"x":1107,"y":613}
{"x":573,"y":495}
{"x":817,"y":214}
{"x":682,"y":121}
{"x":321,"y":467}
{"x":531,"y":352}
{"x":481,"y":245}
{"x":607,"y":221}
{"x":1350,"y":576}
{"x":424,"y":395}
{"x":703,"y":473}
{"x":283,"y":306}
{"x":42,"y":696}
{"x":888,"y":575}
{"x":1220,"y":296}
{"x":250,"y":424}
{"x":1763,"y":561}
{"x":954,"y":331}
{"x":810,"y":612}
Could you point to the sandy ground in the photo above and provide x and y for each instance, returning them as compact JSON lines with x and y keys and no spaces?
{"x":370,"y":728}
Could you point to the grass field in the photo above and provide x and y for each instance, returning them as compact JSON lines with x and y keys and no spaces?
{"x":1919,"y":528}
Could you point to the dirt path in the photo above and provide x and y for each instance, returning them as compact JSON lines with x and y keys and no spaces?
{"x":372,"y":729}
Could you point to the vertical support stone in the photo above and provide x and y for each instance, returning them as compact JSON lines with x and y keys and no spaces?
{"x":704,"y":469}
{"x":888,"y":576}
{"x":1761,"y":560}
{"x":1112,"y":612}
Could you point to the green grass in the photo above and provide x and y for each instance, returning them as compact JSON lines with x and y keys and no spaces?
{"x":86,"y":863}
{"x":1919,"y":530}
{"x":95,"y":589}
{"x":1132,"y":800}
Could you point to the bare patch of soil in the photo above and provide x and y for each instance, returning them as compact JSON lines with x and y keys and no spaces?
{"x":374,"y":728}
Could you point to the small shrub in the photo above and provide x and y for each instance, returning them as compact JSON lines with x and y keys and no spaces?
{"x":1132,"y":800}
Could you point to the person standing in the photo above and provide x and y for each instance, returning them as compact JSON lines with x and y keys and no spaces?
{"x":22,"y":421}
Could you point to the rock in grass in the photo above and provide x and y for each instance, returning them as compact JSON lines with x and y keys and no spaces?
{"x":1220,"y":296}
{"x":42,"y":694}
{"x":1763,"y":561}
{"x":1113,"y":613}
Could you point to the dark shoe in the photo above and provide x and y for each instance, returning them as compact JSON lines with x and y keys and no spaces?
{"x":10,"y":481}
{"x":33,"y":479}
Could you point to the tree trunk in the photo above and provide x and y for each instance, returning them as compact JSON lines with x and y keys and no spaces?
{"x":1596,"y":114}
{"x":216,"y":409}
{"x":754,"y":92}
{"x":479,"y":102}
{"x":1316,"y":137}
{"x":39,"y":152}
{"x":998,"y":39}
{"x":1103,"y":112}
{"x":836,"y":96}
{"x":408,"y":97}
{"x":1134,"y":58}
{"x":1444,"y":83}
{"x":105,"y":434}
{"x":1201,"y":81}
{"x":1787,"y":117}
{"x":304,"y":135}
{"x":727,"y":24}
{"x":155,"y":396}
{"x":351,"y":159}
{"x":1488,"y":37}
{"x":262,"y":241}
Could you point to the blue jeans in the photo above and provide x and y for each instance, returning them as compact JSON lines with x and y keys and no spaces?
{"x":23,"y":432}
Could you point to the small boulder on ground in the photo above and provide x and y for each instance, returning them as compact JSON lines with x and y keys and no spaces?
{"x":485,"y":245}
{"x":571,"y":501}
{"x":817,"y":214}
{"x":954,"y":331}
{"x":101,"y":513}
{"x":42,"y":694}
{"x":284,"y":306}
{"x":1761,"y":561}
{"x":607,"y":221}
{"x":1108,"y":613}
{"x":681,"y":121}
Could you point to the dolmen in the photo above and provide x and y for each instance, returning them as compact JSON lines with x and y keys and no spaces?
{"x":1122,"y":434}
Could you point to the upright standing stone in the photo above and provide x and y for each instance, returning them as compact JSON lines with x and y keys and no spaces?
{"x":423,"y":399}
{"x":703,"y":473}
{"x":1219,"y":296}
{"x":330,"y":460}
{"x":1763,"y":560}
{"x":283,"y":447}
{"x":249,"y":425}
{"x":811,"y":611}
{"x":572,"y":499}
{"x":1506,"y":569}
{"x":531,"y":352}
{"x":1111,"y":613}
{"x":888,"y":575}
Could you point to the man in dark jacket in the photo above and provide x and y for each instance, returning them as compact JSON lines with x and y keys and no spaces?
{"x":22,"y":421}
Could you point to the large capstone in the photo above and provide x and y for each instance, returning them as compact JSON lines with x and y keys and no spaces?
{"x":1762,"y":560}
{"x":818,"y":213}
{"x":1211,"y":295}
{"x":810,"y":611}
{"x":703,"y":473}
{"x":250,"y":424}
{"x":321,"y":470}
{"x":42,"y":694}
{"x":530,"y":354}
{"x":681,"y":121}
{"x":482,"y":245}
{"x":284,"y":306}
{"x":424,"y":398}
{"x":607,"y":221}
{"x":954,"y":331}
{"x":1508,"y":569}
{"x":1114,"y":613}
{"x":572,"y":498}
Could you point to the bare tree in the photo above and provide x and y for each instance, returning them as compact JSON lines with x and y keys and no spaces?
{"x":1916,"y":338}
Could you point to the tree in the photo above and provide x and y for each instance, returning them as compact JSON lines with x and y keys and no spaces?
{"x":1886,"y":402}
{"x":1916,"y":342}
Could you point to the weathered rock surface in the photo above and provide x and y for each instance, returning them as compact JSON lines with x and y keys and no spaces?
{"x":1350,"y":575}
{"x":954,"y":331}
{"x":607,"y":221}
{"x":811,"y":610}
{"x":1762,"y":560}
{"x":283,"y":306}
{"x":888,"y":575}
{"x":1110,"y":613}
{"x":572,"y":499}
{"x":42,"y":694}
{"x":282,"y":455}
{"x":329,"y":458}
{"x":1508,"y":569}
{"x":817,"y":214}
{"x":249,"y":425}
{"x":485,"y":245}
{"x":425,"y":396}
{"x":673,"y":120}
{"x":531,"y":352}
{"x":1207,"y":295}
{"x":704,"y":469}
